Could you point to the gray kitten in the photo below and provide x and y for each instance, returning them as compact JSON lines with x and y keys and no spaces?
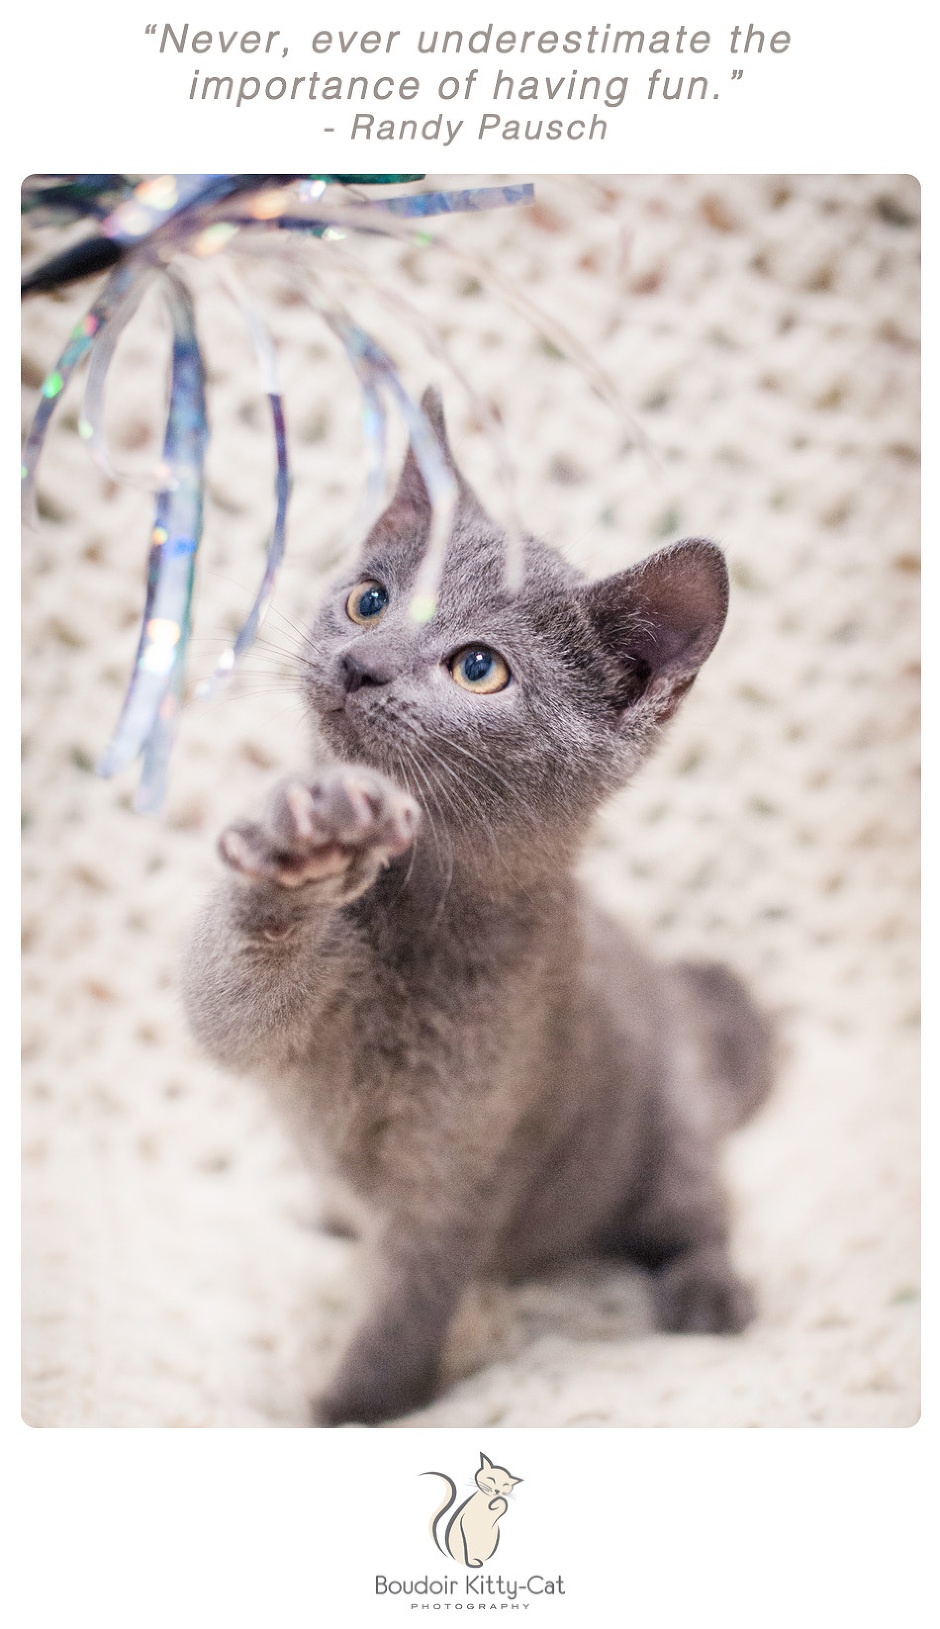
{"x":402,"y":950}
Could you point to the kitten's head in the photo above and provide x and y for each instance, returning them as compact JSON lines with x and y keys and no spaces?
{"x":494,"y":1479}
{"x":520,"y":711}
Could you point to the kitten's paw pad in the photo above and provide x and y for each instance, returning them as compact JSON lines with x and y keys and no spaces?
{"x":700,"y":1294}
{"x":313,"y":832}
{"x":246,"y":849}
{"x":357,"y":810}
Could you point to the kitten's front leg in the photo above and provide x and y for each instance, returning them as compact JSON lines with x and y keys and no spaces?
{"x":393,"y":1364}
{"x":256,"y":976}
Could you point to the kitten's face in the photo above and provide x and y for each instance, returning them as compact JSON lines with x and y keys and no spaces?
{"x":490,"y":710}
{"x":509,"y":716}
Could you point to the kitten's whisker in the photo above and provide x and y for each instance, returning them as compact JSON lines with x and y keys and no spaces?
{"x":464,"y":823}
{"x":259,"y":645}
{"x":445,"y":742}
{"x":414,"y":847}
{"x":262,"y":642}
{"x":247,"y":695}
{"x":462,"y":818}
{"x":417,"y":790}
{"x":460,"y":780}
{"x":267,"y":664}
{"x":274,"y":673}
{"x":417,"y":781}
{"x":459,"y":814}
{"x":295,"y":627}
{"x":450,"y":847}
{"x":247,"y":593}
{"x":436,"y":829}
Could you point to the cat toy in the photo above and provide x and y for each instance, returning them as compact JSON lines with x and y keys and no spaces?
{"x":143,"y":226}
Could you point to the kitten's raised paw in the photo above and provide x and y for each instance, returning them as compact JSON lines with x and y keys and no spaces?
{"x":348,"y":820}
{"x":700,"y":1294}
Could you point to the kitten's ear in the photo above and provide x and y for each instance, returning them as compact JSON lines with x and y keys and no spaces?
{"x":485,"y":1464}
{"x":408,"y":513}
{"x":432,"y":406}
{"x":410,"y":505}
{"x":658,"y":621}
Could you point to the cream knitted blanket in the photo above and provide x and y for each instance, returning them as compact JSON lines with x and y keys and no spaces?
{"x":765,"y":332}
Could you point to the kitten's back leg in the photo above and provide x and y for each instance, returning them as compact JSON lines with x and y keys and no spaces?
{"x":676,"y":1224}
{"x":677,"y":1228}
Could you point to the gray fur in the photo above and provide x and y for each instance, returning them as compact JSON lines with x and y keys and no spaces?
{"x":500,"y":1077}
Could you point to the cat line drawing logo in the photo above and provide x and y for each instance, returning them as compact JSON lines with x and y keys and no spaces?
{"x":469,"y":1533}
{"x":472,"y":1533}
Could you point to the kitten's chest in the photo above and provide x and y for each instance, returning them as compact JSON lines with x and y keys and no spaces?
{"x":411,"y":1024}
{"x":424,"y":1037}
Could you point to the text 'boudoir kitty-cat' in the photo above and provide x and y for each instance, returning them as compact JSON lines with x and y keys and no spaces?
{"x":482,"y":1585}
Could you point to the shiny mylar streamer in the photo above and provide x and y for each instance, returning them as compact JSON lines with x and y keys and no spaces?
{"x":81,"y":339}
{"x":150,"y":714}
{"x":267,"y":359}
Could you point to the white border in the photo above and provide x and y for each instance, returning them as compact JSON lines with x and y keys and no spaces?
{"x":283,"y":1528}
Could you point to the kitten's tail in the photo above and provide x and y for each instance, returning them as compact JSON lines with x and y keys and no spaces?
{"x":443,"y":1509}
{"x":738,"y":1036}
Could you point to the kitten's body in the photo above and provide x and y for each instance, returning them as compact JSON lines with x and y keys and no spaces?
{"x":498,"y":1075}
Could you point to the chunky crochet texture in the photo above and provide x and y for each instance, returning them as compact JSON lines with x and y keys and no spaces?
{"x":765,"y":331}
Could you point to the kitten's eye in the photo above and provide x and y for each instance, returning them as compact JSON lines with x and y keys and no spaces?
{"x":480,"y":669}
{"x":367,"y":602}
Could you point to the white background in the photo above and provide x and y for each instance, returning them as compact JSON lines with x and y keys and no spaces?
{"x":280,"y":1527}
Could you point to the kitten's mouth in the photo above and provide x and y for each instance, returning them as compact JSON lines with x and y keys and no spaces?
{"x":329,"y":697}
{"x":352,"y":723}
{"x":352,"y":706}
{"x":329,"y":701}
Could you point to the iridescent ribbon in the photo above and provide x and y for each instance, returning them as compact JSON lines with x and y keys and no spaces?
{"x":419,"y":204}
{"x":119,"y":286}
{"x":408,"y":206}
{"x":267,"y":358}
{"x":150,"y":714}
{"x":91,"y":422}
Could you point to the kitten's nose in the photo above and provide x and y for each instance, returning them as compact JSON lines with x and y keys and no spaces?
{"x":357,"y":672}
